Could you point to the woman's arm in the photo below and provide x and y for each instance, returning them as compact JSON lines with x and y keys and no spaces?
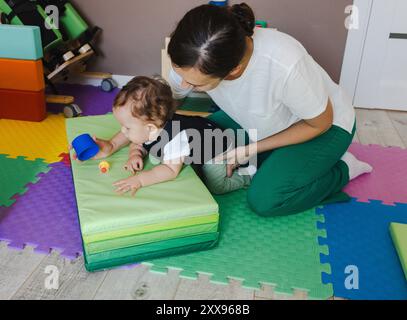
{"x":300,"y":132}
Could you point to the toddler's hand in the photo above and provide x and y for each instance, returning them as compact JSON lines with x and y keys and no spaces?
{"x":134,"y":164}
{"x":105,"y":149}
{"x":132,"y":184}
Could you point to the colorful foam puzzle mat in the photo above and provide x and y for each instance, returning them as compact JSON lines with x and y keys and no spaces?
{"x":24,"y":75}
{"x":15,"y":175}
{"x":387,"y":182}
{"x":45,"y":217}
{"x":283,"y":251}
{"x":398,"y":233}
{"x":360,"y":246}
{"x":20,"y":42}
{"x":124,"y":229}
{"x":34,"y":140}
{"x":22,"y":105}
{"x":94,"y":102}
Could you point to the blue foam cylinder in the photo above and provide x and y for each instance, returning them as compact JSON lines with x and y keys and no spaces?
{"x":85,"y":147}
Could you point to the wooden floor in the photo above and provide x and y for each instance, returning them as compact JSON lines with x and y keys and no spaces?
{"x":23,"y":273}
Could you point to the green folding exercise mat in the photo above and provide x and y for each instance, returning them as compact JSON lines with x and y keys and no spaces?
{"x":167,"y":218}
{"x":281,"y":251}
{"x":398,"y":233}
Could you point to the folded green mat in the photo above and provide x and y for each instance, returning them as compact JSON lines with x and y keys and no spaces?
{"x":179,"y":213}
{"x":283,"y":251}
{"x":103,"y":211}
{"x":398,"y":233}
{"x":149,"y":237}
{"x":156,"y":227}
{"x":97,"y":265}
{"x":134,"y":254}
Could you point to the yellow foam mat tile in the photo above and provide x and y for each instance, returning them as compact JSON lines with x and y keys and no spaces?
{"x":34,"y":140}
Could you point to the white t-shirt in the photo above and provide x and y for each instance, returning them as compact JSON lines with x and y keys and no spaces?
{"x":281,"y":86}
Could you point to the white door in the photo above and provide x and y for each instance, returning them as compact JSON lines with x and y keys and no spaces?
{"x":382,"y":79}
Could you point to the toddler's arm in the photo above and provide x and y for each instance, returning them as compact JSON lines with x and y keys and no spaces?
{"x":164,"y":172}
{"x":136,"y":155}
{"x":108,"y":147}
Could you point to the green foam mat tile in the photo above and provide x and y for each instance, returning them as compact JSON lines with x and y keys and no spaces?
{"x":15,"y":174}
{"x":283,"y":251}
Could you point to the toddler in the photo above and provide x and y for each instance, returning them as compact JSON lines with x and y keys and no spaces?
{"x":145,"y":109}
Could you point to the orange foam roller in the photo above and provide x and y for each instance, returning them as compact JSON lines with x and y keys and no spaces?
{"x":26,"y":75}
{"x":22,"y":105}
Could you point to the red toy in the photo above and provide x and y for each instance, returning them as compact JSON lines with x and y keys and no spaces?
{"x":22,"y":105}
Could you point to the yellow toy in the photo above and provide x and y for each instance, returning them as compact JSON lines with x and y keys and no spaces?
{"x":104,"y":167}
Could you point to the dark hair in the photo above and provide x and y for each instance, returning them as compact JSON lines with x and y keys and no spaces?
{"x":212,"y":38}
{"x":151,"y":100}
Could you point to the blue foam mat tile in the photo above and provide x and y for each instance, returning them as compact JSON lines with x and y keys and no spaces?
{"x":358,"y":235}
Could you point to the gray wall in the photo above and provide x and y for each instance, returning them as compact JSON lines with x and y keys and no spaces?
{"x":134,"y":30}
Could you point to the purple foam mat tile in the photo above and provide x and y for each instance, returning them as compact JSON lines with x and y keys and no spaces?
{"x":46,"y":216}
{"x":387,"y":182}
{"x":92,"y":100}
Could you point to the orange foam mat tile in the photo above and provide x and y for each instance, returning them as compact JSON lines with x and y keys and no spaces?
{"x":34,"y":140}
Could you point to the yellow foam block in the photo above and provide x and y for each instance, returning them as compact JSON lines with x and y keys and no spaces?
{"x":34,"y":140}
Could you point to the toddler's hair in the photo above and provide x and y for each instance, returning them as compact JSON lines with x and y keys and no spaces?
{"x":151,"y":100}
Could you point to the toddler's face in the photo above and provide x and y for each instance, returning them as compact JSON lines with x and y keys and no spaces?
{"x":134,"y":129}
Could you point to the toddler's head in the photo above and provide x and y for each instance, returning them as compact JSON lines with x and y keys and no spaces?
{"x":142,"y":108}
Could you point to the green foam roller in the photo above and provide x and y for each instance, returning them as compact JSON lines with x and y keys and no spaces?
{"x":398,"y":233}
{"x":20,"y":42}
{"x":73,"y":23}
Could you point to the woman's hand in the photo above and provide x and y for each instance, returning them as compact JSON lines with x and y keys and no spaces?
{"x":236,"y":157}
{"x":132,"y":184}
{"x":134,"y":164}
{"x":105,"y":149}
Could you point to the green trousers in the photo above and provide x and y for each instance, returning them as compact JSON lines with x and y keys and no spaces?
{"x":299,"y":177}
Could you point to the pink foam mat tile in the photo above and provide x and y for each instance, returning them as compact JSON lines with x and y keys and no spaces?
{"x":387,"y":182}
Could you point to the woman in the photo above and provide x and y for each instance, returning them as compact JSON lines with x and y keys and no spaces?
{"x":265,"y":80}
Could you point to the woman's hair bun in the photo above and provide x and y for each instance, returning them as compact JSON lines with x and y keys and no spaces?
{"x":245,"y":15}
